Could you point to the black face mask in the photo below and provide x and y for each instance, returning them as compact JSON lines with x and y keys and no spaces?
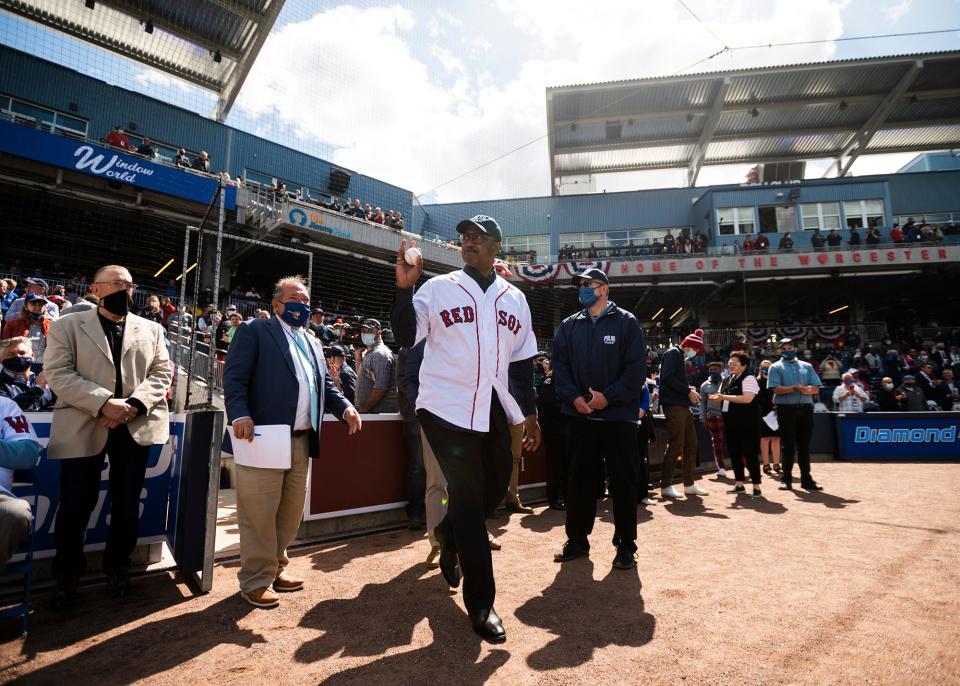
{"x":18,"y":364}
{"x":31,"y":314}
{"x":117,"y":303}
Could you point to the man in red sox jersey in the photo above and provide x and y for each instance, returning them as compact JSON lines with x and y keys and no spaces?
{"x":476,"y":379}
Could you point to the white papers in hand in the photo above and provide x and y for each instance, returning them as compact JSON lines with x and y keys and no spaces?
{"x":269,"y":449}
{"x":771,"y":419}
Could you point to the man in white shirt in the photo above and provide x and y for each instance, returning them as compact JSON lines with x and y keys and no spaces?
{"x":849,"y":396}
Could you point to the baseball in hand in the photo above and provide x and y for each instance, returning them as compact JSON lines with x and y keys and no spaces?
{"x":411,"y":255}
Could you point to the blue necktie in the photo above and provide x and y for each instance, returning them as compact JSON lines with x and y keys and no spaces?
{"x":307,"y":363}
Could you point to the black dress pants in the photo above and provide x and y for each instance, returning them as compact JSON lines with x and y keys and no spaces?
{"x":643,"y":445}
{"x":593,"y":443}
{"x":555,"y":447}
{"x":477,"y":467}
{"x":796,"y":427}
{"x":743,"y":444}
{"x":79,"y":491}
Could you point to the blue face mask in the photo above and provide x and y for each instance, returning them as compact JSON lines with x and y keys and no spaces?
{"x":789,"y":355}
{"x":369,"y":339}
{"x":295,"y":314}
{"x":588,"y":296}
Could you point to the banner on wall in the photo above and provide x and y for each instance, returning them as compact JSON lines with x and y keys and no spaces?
{"x":108,"y":164}
{"x":899,"y":436}
{"x":539,"y":273}
{"x":577,"y":266}
{"x":153,"y":497}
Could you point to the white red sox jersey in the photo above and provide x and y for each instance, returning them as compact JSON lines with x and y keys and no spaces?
{"x":13,"y":427}
{"x":472,"y":337}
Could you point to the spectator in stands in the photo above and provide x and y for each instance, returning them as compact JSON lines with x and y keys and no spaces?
{"x":334,"y":204}
{"x":202,"y":162}
{"x":873,"y":236}
{"x":181,"y":160}
{"x":914,"y":399}
{"x":167,"y":308}
{"x":896,"y":234}
{"x":181,"y":319}
{"x":786,"y":243}
{"x":342,"y":375}
{"x":118,"y":139}
{"x":367,"y":211}
{"x":818,"y":240}
{"x":87,"y":302}
{"x":763,"y":243}
{"x":147,"y":149}
{"x":321,"y":330}
{"x":854,"y":240}
{"x":229,"y":330}
{"x":32,"y":323}
{"x":152,"y":310}
{"x":888,"y":398}
{"x":252,"y":294}
{"x":375,"y":367}
{"x":748,"y":245}
{"x":356,"y":210}
{"x":948,"y":393}
{"x":849,"y":396}
{"x":263,"y":314}
{"x":389,"y":219}
{"x":834,"y":239}
{"x":377,"y":216}
{"x":34,"y":286}
{"x":8,"y":293}
{"x":398,"y":221}
{"x":17,"y":380}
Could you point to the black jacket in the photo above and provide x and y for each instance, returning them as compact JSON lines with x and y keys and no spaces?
{"x":608,"y":355}
{"x":674,"y":386}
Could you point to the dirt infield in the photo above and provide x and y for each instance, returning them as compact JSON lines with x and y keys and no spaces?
{"x":857,"y":585}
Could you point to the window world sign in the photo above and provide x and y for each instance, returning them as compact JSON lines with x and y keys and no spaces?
{"x":899,"y":436}
{"x":800,"y":261}
{"x":107,"y":164}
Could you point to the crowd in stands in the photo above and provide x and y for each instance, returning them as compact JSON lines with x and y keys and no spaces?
{"x":682,"y":244}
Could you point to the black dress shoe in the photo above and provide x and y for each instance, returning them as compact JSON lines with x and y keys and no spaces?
{"x":118,"y":583}
{"x":571,"y":551}
{"x":625,"y":559}
{"x":518,"y":507}
{"x":785,"y":486}
{"x":561,"y":506}
{"x":64,"y":595}
{"x":487,"y":625}
{"x":811,"y":486}
{"x":450,"y":566}
{"x":416,"y":523}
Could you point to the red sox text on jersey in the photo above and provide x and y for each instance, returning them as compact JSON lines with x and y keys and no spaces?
{"x":466,"y":315}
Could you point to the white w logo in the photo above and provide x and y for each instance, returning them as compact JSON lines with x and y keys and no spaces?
{"x":94,"y":163}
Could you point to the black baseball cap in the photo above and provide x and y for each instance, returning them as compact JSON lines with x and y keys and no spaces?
{"x":334,"y":351}
{"x":592,"y":273}
{"x":487,"y":226}
{"x":370,"y":324}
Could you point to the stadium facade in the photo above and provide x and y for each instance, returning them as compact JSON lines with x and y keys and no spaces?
{"x":58,"y":209}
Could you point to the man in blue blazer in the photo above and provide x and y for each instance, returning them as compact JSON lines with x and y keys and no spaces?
{"x":275,"y":374}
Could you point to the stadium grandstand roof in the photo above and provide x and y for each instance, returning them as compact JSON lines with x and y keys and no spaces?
{"x":839,"y":109}
{"x":210,"y":43}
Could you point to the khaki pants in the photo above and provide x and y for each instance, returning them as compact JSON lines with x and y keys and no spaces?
{"x":436,"y":494}
{"x":682,"y":441}
{"x":16,"y":517}
{"x":269,"y":509}
{"x":516,"y":447}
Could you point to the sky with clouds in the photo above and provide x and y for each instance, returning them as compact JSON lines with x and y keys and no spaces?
{"x":419,"y":93}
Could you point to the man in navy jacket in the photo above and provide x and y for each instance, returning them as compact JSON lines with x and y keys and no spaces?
{"x":599,"y":369}
{"x":275,"y":374}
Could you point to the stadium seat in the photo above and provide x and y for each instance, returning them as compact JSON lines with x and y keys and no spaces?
{"x":21,"y":564}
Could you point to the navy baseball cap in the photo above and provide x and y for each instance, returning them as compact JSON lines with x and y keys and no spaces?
{"x":370,"y":324}
{"x":35,"y":281}
{"x":592,"y":273}
{"x":486,"y":225}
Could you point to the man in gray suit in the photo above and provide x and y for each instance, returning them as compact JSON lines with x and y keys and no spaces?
{"x":111,"y":372}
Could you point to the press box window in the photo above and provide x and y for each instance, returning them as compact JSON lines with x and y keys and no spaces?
{"x":735,"y":220}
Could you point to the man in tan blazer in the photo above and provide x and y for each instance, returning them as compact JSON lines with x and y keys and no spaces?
{"x":111,"y":372}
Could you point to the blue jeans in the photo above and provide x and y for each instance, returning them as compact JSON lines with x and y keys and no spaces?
{"x":416,"y":474}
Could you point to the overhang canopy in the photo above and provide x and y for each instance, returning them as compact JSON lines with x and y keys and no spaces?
{"x":209,"y":43}
{"x":840,"y":109}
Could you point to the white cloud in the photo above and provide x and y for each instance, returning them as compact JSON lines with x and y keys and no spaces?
{"x":895,"y":12}
{"x":387,"y":115}
{"x":152,"y":77}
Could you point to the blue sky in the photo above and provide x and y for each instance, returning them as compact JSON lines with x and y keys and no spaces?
{"x":417,"y":92}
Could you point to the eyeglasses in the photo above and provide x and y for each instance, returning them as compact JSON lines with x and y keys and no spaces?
{"x":128,"y":285}
{"x":467,"y":238}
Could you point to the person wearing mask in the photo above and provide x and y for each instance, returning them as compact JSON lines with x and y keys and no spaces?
{"x":914,"y":399}
{"x":273,"y":375}
{"x":319,"y":329}
{"x":554,"y":440}
{"x":600,"y":364}
{"x":949,"y":392}
{"x":111,"y":372}
{"x":466,"y":417}
{"x":711,"y":413}
{"x":18,"y":382}
{"x":33,"y":324}
{"x":676,"y":397}
{"x":849,"y":396}
{"x":888,"y":397}
{"x":741,"y":422}
{"x":374,"y":371}
{"x":35,"y":286}
{"x":795,"y":385}
{"x":342,"y":375}
{"x":769,"y":438}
